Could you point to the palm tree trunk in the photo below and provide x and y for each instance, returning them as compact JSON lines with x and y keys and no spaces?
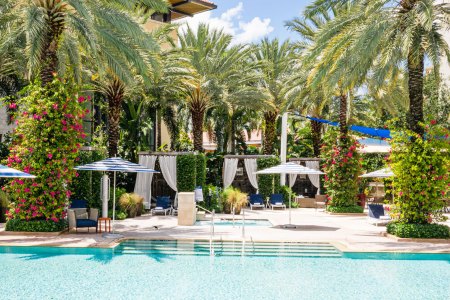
{"x":316,"y":130}
{"x":343,"y":115}
{"x":270,"y":119}
{"x":115,"y":94}
{"x":197,"y":129}
{"x":55,"y":25}
{"x":415,"y":88}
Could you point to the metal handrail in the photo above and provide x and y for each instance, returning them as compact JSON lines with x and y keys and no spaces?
{"x":211,"y":234}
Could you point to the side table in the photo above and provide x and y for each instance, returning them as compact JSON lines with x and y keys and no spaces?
{"x":107,"y":224}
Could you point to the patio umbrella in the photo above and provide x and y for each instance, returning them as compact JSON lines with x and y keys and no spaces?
{"x":13,"y":173}
{"x":382,"y":173}
{"x":115,"y":164}
{"x":289,"y":168}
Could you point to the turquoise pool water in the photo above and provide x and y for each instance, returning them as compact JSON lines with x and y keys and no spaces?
{"x":237,"y":222}
{"x":154,"y":273}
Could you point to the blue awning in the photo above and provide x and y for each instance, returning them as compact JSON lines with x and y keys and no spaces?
{"x":378,"y":132}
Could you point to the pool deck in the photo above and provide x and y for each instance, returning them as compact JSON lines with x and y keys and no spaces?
{"x":347,"y":233}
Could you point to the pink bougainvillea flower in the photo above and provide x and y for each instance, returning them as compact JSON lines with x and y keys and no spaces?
{"x":17,"y":210}
{"x":64,"y":122}
{"x":80,"y":99}
{"x":433,"y":122}
{"x":12,"y":105}
{"x":50,"y":156}
{"x":26,"y":190}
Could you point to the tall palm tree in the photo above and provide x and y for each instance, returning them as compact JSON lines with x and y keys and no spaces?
{"x":217,"y":64}
{"x":275,"y":61}
{"x":56,"y":30}
{"x":383,"y":38}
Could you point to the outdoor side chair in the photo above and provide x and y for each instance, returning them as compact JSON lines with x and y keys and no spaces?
{"x":276,"y":201}
{"x":256,"y":200}
{"x":163,"y":205}
{"x":376,"y":215}
{"x":79,"y":216}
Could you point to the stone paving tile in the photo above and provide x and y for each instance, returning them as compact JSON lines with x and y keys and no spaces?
{"x":348,"y":233}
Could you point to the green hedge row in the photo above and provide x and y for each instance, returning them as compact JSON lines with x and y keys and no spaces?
{"x":345,"y":209}
{"x":200,"y":170}
{"x":268,"y":184}
{"x":36,"y":225}
{"x":423,"y":231}
{"x":186,"y":172}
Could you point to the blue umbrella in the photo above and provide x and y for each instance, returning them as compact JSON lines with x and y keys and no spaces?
{"x":13,"y":173}
{"x":115,"y":164}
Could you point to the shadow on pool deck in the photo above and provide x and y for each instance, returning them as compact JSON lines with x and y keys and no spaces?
{"x":307,"y":228}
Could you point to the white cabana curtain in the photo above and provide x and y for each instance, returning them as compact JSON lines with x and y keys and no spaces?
{"x":168,"y":166}
{"x":315,"y":179}
{"x":143,"y":186}
{"x":292,"y":177}
{"x":251,"y":168}
{"x":229,"y":171}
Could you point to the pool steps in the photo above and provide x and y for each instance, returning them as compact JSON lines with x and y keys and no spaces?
{"x":227,"y":248}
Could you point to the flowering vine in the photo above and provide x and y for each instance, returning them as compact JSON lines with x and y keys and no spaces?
{"x":342,"y":167}
{"x":421,"y":166}
{"x":45,"y":143}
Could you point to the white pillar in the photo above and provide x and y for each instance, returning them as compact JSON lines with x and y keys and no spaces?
{"x":105,"y":195}
{"x":284,"y":120}
{"x":186,"y":209}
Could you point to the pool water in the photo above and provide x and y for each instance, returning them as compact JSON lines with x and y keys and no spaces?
{"x":238,"y":223}
{"x":167,"y":270}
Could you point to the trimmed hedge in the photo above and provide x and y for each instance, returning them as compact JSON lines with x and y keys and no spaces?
{"x":200,"y":170}
{"x":36,"y":225}
{"x":422,"y":231}
{"x":267,"y":184}
{"x":354,"y":209}
{"x":186,"y":172}
{"x":87,"y":184}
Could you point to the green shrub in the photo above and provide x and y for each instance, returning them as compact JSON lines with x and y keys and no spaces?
{"x":213,"y":198}
{"x":35,"y":225}
{"x":186,"y":172}
{"x":346,"y":209}
{"x":214,"y":165}
{"x":132,"y":204}
{"x":120,"y":215}
{"x":423,"y":231}
{"x":268,"y":184}
{"x":200,"y":170}
{"x":87,"y":185}
{"x":287,"y":193}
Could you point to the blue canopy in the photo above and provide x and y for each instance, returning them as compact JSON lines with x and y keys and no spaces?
{"x":115,"y":164}
{"x":382,"y":133}
{"x":13,"y":173}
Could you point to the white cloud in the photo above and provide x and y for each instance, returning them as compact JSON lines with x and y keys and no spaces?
{"x":230,"y":22}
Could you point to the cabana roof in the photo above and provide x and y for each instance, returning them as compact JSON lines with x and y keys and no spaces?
{"x":188,"y":8}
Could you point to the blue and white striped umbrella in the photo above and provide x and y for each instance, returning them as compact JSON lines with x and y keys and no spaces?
{"x":290,"y":168}
{"x":115,"y":164}
{"x":13,"y":173}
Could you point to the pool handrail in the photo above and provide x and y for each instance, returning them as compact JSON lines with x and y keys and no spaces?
{"x":211,"y":235}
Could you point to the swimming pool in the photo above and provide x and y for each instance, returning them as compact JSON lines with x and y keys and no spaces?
{"x":237,"y":222}
{"x":167,"y":270}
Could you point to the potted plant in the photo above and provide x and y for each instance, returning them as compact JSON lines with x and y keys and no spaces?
{"x":234,"y":198}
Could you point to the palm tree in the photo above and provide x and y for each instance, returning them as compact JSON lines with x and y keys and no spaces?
{"x":275,"y":61}
{"x":383,"y":38}
{"x":218,"y":67}
{"x":57,"y":30}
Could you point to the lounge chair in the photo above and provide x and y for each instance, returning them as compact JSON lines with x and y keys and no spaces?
{"x":376,"y":215}
{"x":79,"y":216}
{"x":162,"y":205}
{"x":257,"y":201}
{"x":276,"y":201}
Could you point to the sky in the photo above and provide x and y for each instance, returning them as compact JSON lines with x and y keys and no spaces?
{"x":251,"y":20}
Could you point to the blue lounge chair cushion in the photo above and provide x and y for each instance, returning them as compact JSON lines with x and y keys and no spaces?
{"x":162,"y":202}
{"x":276,"y":199}
{"x":376,"y":210}
{"x":86,"y":223}
{"x":78,"y":203}
{"x":256,"y":199}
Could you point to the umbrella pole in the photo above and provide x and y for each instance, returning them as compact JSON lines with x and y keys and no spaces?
{"x":114,"y":203}
{"x":290,"y":210}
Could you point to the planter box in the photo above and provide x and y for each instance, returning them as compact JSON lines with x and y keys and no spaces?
{"x":416,"y":240}
{"x":28,"y":233}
